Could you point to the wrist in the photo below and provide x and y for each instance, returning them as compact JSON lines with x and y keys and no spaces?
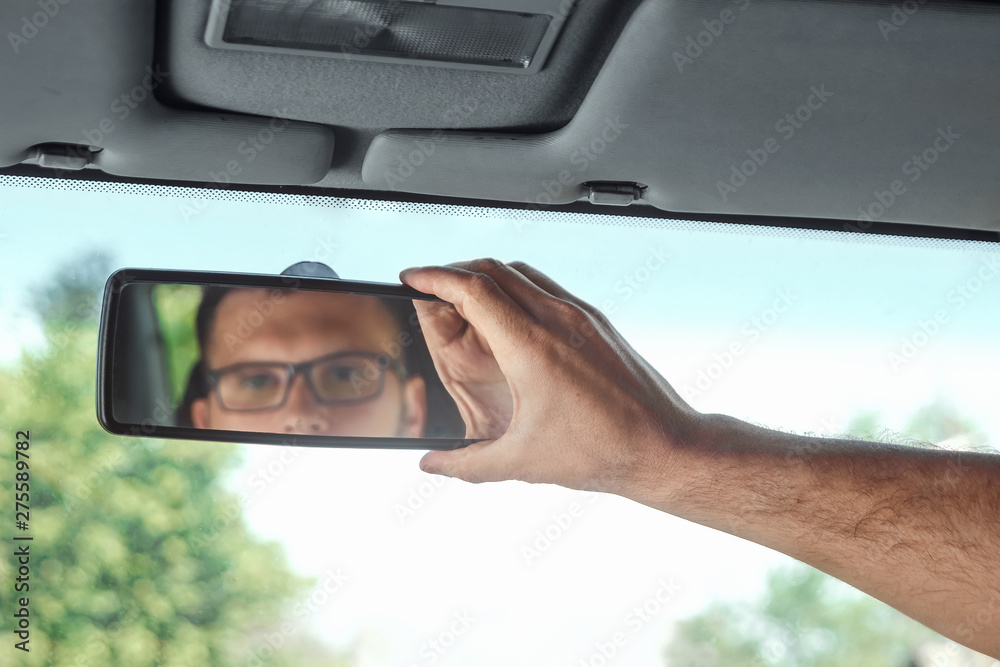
{"x":679,"y":459}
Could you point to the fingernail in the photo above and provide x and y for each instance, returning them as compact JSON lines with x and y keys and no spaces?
{"x":403,"y":273}
{"x":430,"y":470}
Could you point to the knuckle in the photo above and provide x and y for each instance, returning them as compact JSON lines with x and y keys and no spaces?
{"x":481,"y":284}
{"x":595,"y":314}
{"x":487,"y":264}
{"x":575,"y":318}
{"x":567,"y":311}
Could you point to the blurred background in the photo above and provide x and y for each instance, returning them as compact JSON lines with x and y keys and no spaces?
{"x":168,"y":553}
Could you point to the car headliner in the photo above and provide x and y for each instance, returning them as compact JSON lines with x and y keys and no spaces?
{"x":857,"y":112}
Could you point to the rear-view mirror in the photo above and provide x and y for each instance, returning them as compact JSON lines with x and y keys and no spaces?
{"x":275,"y":359}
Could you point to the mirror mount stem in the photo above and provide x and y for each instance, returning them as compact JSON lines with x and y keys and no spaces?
{"x":310,"y":270}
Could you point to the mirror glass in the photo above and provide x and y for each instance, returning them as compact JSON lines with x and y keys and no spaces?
{"x":278,"y":361}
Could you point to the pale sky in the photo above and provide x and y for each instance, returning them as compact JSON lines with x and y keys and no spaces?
{"x":825,"y":326}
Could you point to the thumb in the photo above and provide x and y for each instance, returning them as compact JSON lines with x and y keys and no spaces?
{"x":483,"y":461}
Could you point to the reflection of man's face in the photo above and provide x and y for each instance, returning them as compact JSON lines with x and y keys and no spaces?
{"x":251,"y":326}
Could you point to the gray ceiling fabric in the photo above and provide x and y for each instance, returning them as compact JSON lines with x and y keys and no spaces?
{"x":819,"y":109}
{"x":85,"y":76}
{"x":822,"y":109}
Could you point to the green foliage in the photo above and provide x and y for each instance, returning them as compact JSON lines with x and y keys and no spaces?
{"x":940,"y":422}
{"x":807,"y":618}
{"x":864,"y":424}
{"x":176,"y":307}
{"x":139,"y":556}
{"x":935,"y":423}
{"x":74,"y":294}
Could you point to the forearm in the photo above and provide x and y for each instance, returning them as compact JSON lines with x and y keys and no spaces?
{"x":917,"y":528}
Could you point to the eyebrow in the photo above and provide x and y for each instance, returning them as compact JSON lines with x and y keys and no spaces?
{"x":266,"y":362}
{"x":249,"y":351}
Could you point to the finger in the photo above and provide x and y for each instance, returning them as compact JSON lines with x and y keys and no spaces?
{"x":532,"y":298}
{"x":442,"y":318}
{"x":555,"y":289}
{"x":477,"y":297}
{"x":442,"y":325}
{"x":484,"y":461}
{"x":632,"y":359}
{"x":543,"y":281}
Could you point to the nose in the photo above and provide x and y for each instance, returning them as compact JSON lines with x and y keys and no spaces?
{"x":302,"y":413}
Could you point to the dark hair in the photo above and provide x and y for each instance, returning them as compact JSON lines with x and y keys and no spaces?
{"x":443,"y":417}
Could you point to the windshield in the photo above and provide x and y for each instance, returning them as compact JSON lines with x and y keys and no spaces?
{"x":170,"y":552}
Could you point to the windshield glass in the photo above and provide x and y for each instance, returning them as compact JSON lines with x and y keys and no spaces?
{"x":154,"y":552}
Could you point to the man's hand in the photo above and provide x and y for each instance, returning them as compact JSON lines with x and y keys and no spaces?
{"x":561,"y":397}
{"x":468,"y":370}
{"x":918,"y":529}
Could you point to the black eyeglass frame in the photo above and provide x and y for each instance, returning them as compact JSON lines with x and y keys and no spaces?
{"x":305,"y":369}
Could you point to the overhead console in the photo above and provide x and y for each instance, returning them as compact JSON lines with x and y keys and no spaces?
{"x":511,"y":36}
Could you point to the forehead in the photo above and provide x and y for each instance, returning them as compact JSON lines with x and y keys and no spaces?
{"x":249,"y":323}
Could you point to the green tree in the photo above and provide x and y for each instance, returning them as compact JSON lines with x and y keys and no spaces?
{"x":806,"y":618}
{"x":176,"y":307}
{"x":74,"y":294}
{"x":139,"y":556}
{"x":938,"y":423}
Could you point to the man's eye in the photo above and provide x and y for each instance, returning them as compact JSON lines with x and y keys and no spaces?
{"x":258,"y":382}
{"x":341,"y":373}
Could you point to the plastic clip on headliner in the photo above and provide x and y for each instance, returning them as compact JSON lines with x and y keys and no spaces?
{"x":62,"y":157}
{"x":614,"y":193}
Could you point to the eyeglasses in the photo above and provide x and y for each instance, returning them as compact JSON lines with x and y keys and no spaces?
{"x":344,"y":378}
